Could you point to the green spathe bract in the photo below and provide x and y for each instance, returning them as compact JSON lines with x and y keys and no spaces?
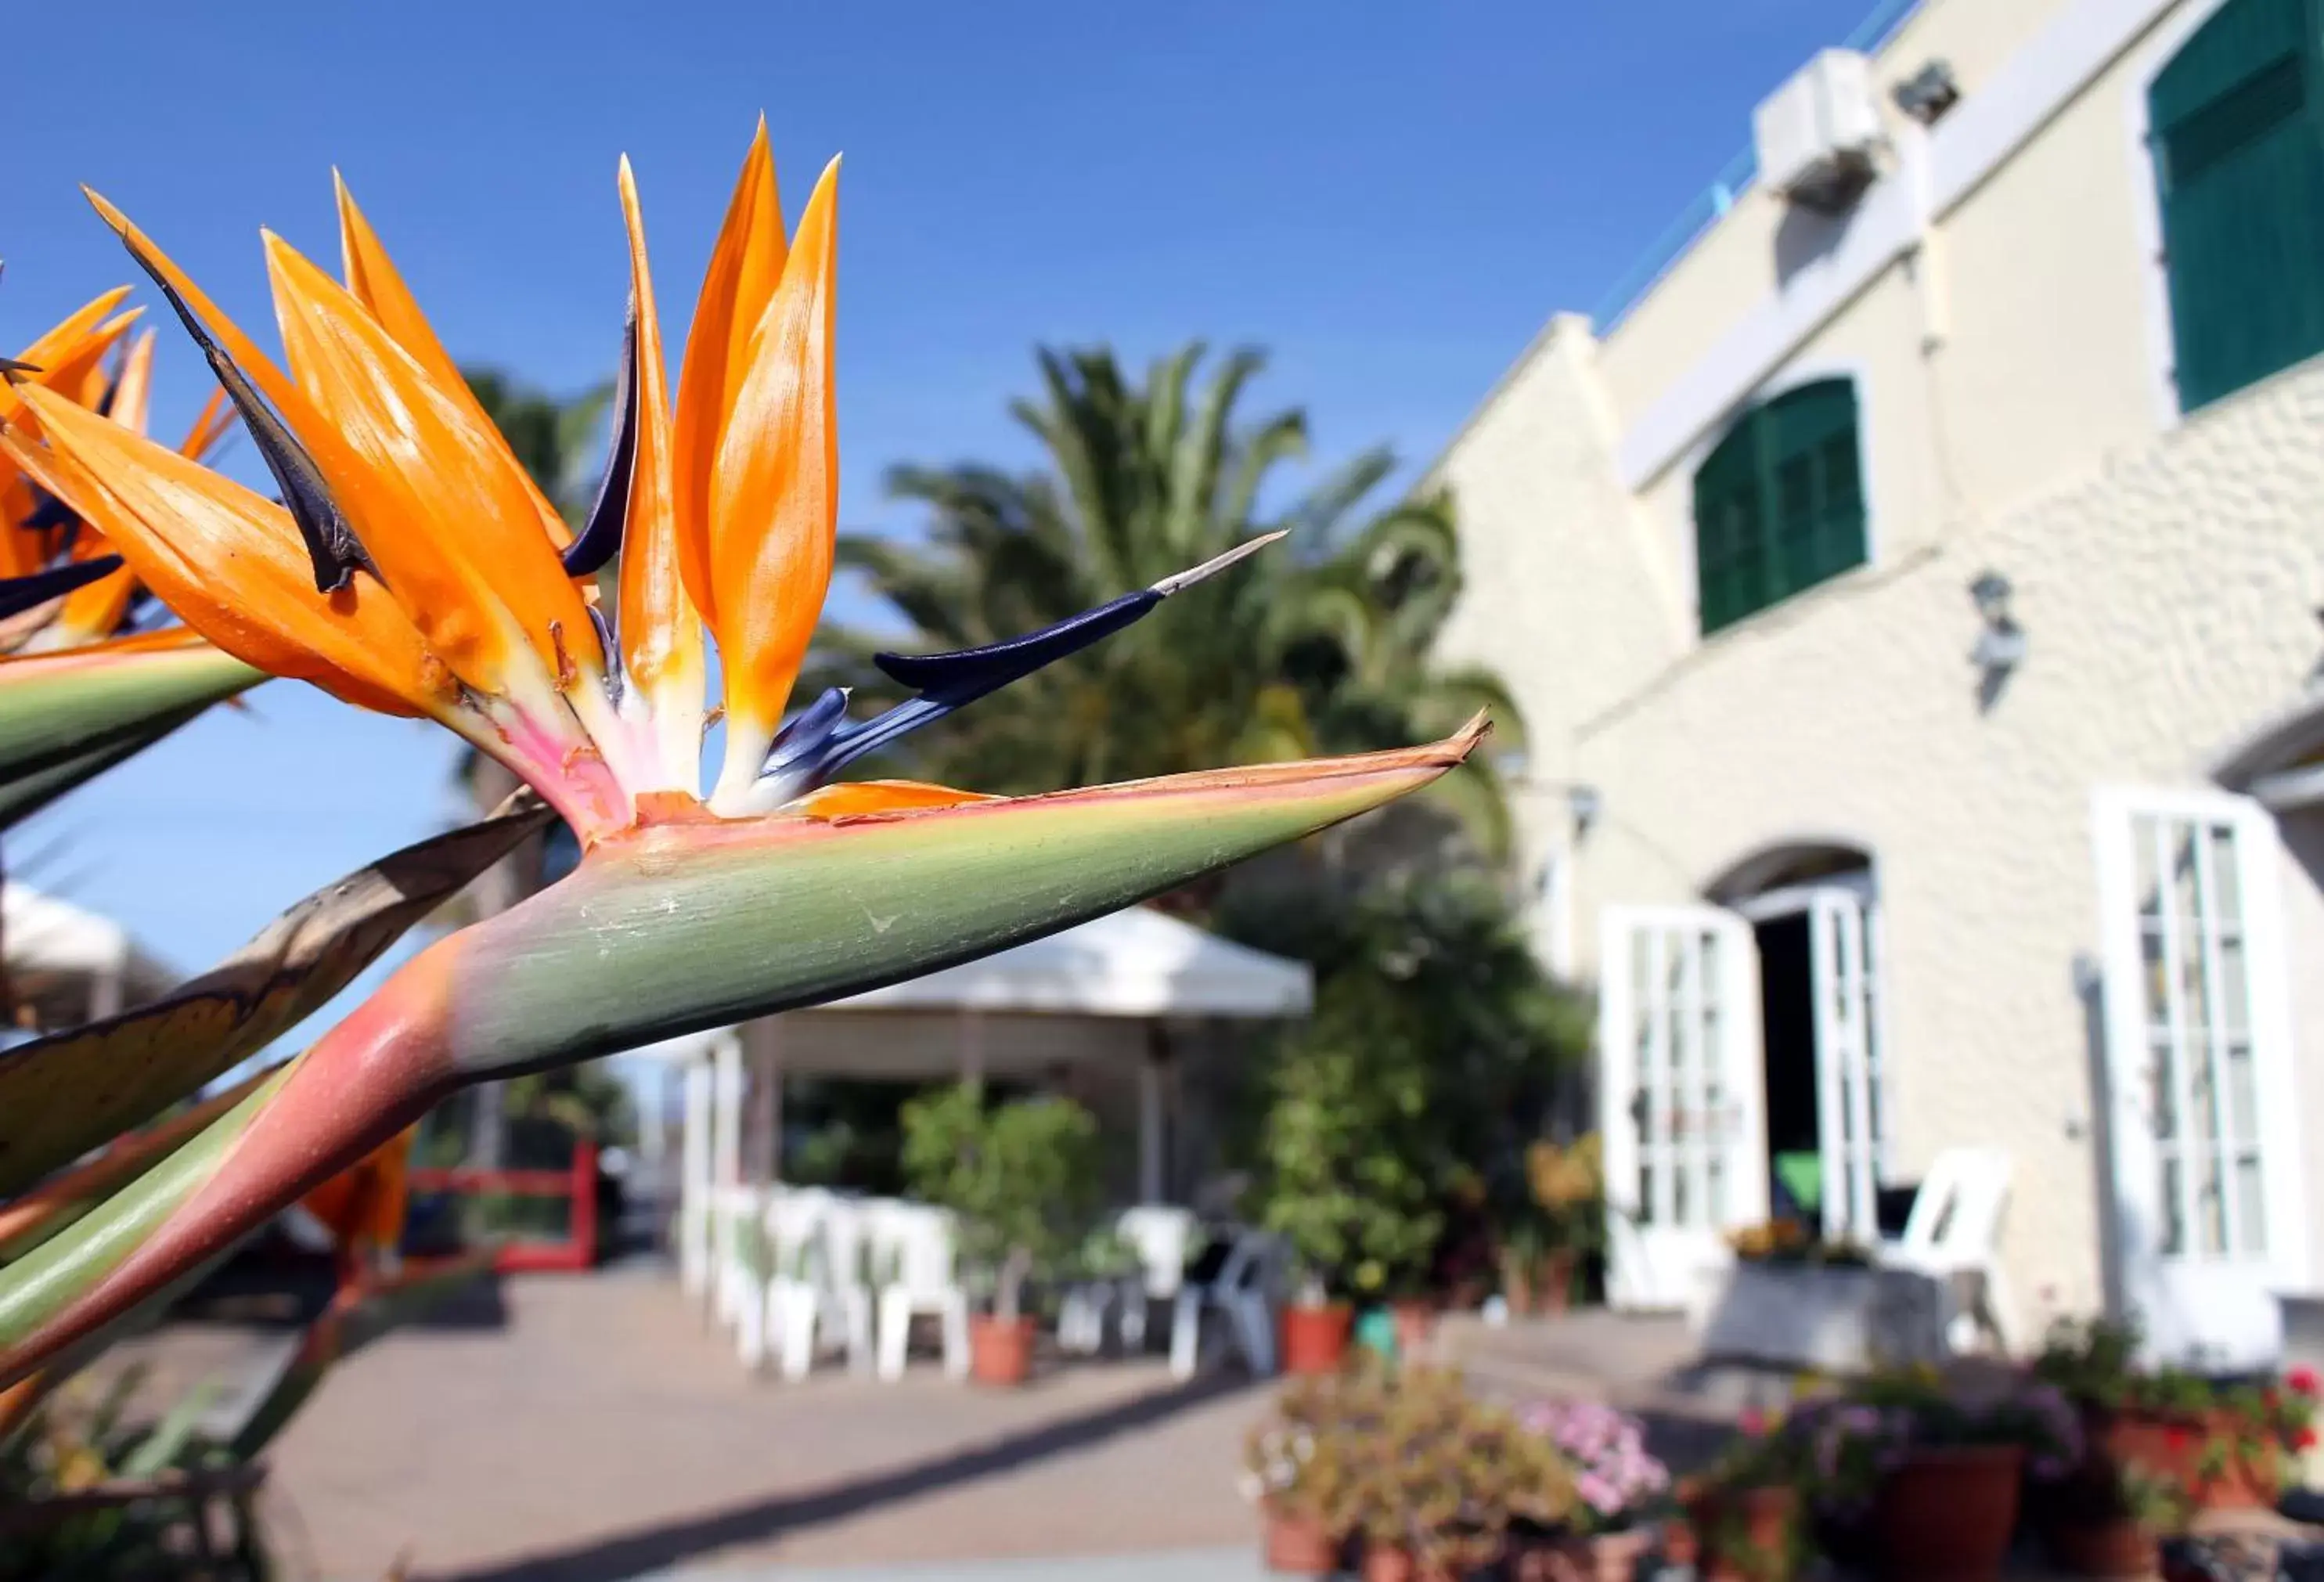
{"x":684,"y":927}
{"x":663,"y":930}
{"x":75,"y":710}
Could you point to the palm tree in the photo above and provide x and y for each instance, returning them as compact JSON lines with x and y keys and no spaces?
{"x":1320,"y":645}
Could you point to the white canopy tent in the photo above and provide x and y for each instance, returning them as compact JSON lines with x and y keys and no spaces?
{"x":72,"y":960}
{"x":1087,"y":993}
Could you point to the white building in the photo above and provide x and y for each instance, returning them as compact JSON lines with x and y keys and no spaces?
{"x":1911,"y":586}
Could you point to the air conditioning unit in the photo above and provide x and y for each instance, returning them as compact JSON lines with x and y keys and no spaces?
{"x":1818,"y":132}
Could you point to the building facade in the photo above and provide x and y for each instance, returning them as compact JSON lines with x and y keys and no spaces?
{"x":1914,"y":595}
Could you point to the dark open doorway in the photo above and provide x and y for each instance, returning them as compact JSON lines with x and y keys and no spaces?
{"x":1788,"y":1036}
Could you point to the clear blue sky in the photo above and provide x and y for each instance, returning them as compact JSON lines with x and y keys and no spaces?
{"x":1391,"y":199}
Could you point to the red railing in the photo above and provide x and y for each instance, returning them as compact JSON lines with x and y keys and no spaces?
{"x":577,"y":1186}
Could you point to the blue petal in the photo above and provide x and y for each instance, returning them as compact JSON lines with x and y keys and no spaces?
{"x":600,"y":539}
{"x":969,"y":673}
{"x":19,"y":594}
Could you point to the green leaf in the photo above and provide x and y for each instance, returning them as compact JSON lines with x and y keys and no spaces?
{"x":66,"y":1094}
{"x":29,"y":1220}
{"x":65,"y":717}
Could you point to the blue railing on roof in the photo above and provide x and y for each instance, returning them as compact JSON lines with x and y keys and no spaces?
{"x":1713,"y":202}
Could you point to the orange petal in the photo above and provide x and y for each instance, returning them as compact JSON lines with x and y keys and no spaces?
{"x":377,"y":284}
{"x":132,"y":394}
{"x":94,"y":610}
{"x":72,"y":347}
{"x":745,"y":267}
{"x":212,"y":424}
{"x":72,"y":329}
{"x":775,"y":496}
{"x":438,"y":501}
{"x":332,"y":454}
{"x":662,"y":635}
{"x":79,"y":373}
{"x":22,"y":552}
{"x":230,"y":563}
{"x":853,"y":798}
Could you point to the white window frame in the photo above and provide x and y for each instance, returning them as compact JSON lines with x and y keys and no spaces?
{"x":2146,"y":1277}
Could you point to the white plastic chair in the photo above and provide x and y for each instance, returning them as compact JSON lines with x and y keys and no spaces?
{"x":912,"y":1247}
{"x":1081,"y":1316}
{"x":1156,"y":1235}
{"x":1242,"y":1290}
{"x":739,"y":1288}
{"x":1161,"y":1233}
{"x":822,"y":1287}
{"x":1953,"y":1236}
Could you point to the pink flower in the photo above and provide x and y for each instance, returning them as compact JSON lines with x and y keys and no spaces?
{"x":1753,"y":1422}
{"x":1601,"y":1495}
{"x":2302,"y":1380}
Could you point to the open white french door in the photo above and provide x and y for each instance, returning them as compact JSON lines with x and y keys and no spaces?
{"x":2204,"y":1134}
{"x":1680,"y":1099}
{"x":1844,"y":946}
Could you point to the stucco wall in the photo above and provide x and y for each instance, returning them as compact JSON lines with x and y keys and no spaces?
{"x":2169,"y":604}
{"x":2013,"y":419}
{"x":2058,"y":343}
{"x":1909,"y":490}
{"x":1563,"y":592}
{"x":1736,"y":266}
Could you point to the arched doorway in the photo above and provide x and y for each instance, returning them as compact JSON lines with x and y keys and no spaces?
{"x":1813,"y":907}
{"x":1741,"y":1048}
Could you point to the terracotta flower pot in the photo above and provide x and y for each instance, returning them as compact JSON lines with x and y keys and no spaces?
{"x":1945,"y":1516}
{"x":1298,"y":1545}
{"x":1316,"y":1339}
{"x":2177,"y":1446}
{"x":1605,"y":1556}
{"x":1387,"y":1562}
{"x":1734,"y":1535}
{"x":1000,"y":1350}
{"x":1555,"y":1293}
{"x":2101,"y":1546}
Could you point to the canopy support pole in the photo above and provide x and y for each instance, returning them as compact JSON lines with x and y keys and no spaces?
{"x":1151,"y":1183}
{"x":971,"y":1047}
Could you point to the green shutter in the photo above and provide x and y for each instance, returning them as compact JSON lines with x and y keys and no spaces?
{"x":2237,"y":127}
{"x":1779,"y":505}
{"x":1730,"y":527}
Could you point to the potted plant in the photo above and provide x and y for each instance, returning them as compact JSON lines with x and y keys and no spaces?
{"x":2110,"y":1519}
{"x":1292,"y":1469}
{"x":1021,"y":1178}
{"x":1562,"y":1221}
{"x":2226,"y":1442}
{"x":1356,"y":1209}
{"x":1617,"y":1487}
{"x":1928,"y":1473}
{"x":1739,"y":1520}
{"x":1430,"y":1479}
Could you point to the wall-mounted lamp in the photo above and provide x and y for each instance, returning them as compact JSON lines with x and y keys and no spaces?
{"x":2001,"y":646}
{"x":1585,"y":804}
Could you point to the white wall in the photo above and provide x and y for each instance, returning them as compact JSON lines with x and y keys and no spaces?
{"x":2166,"y":576}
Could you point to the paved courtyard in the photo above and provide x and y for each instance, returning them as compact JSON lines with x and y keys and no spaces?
{"x":592,"y":1429}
